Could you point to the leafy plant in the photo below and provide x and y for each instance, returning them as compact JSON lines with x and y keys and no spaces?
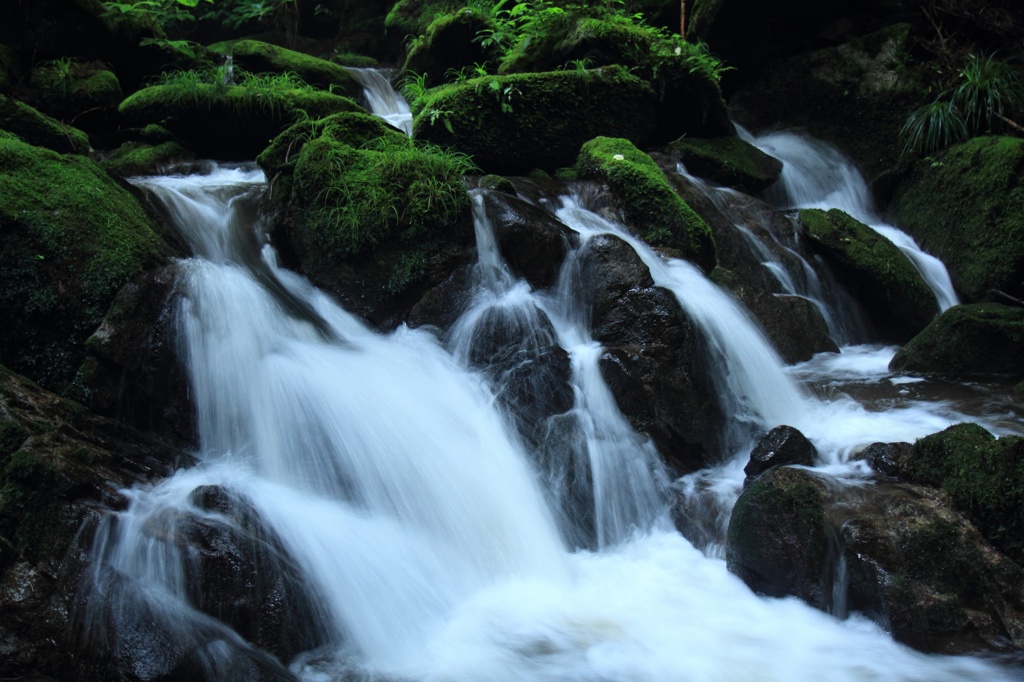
{"x":934,"y":126}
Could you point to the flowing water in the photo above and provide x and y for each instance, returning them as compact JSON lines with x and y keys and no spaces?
{"x":427,"y":538}
{"x":381,"y":98}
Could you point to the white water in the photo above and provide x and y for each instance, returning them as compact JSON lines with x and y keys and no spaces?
{"x":817,"y":175}
{"x":382,"y":99}
{"x":399,"y":494}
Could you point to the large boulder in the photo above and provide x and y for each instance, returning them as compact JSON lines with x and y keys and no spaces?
{"x":727,"y":161}
{"x":650,"y":206}
{"x":259,"y":57}
{"x":37,"y":128}
{"x":70,"y":238}
{"x":84,"y":92}
{"x":512,"y":124}
{"x":967,"y":208}
{"x":895,"y":295}
{"x":370,"y":215}
{"x":655,"y":358}
{"x":449,"y":46}
{"x":977,"y":341}
{"x":58,"y":465}
{"x":229,"y":121}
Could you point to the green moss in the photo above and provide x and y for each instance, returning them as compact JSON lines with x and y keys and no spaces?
{"x":983,"y":476}
{"x":411,"y":17}
{"x":228,"y":121}
{"x":727,"y":161}
{"x":39,"y":129}
{"x":70,"y":238}
{"x":878,"y":269}
{"x":134,"y":158}
{"x":358,"y":61}
{"x":450,"y":46}
{"x":967,"y":208}
{"x":259,"y":57}
{"x":352,"y":129}
{"x":982,"y":340}
{"x":649,"y":203}
{"x":68,"y":88}
{"x":511,"y":124}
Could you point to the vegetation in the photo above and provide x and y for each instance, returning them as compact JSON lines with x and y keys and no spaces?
{"x":37,"y":128}
{"x":648,"y":202}
{"x":989,"y":93}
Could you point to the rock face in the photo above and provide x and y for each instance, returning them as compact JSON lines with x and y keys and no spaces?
{"x":531,"y":240}
{"x":968,"y":210}
{"x":58,"y":464}
{"x":876,"y":271}
{"x":70,"y":238}
{"x":655,"y":359}
{"x":941,"y":578}
{"x":371,"y":216}
{"x":650,"y":206}
{"x":977,"y":341}
{"x":512,"y":124}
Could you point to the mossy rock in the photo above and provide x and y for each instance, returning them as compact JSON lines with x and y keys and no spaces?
{"x":976,"y":341}
{"x":67,"y":89}
{"x":410,"y":18}
{"x":967,"y":208}
{"x":895,"y":295}
{"x":449,"y":44}
{"x":229,"y":122}
{"x":39,"y":129}
{"x":778,"y":537}
{"x":983,"y":475}
{"x":374,"y":218}
{"x":511,"y":124}
{"x":259,"y":57}
{"x":856,"y":95}
{"x":70,"y":238}
{"x":727,"y":161}
{"x":689,"y":100}
{"x":136,"y":158}
{"x":649,"y":204}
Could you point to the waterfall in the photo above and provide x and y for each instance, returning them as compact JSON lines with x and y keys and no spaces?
{"x":383,"y":100}
{"x":817,"y":175}
{"x":420,"y":526}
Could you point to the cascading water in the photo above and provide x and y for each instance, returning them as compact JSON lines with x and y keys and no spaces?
{"x":817,"y":175}
{"x":412,"y":516}
{"x":382,"y":99}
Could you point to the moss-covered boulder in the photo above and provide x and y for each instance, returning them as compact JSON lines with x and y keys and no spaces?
{"x":66,"y":88}
{"x":727,"y":161}
{"x":778,"y":540}
{"x":70,"y":238}
{"x":39,"y":129}
{"x":449,"y":45}
{"x":983,"y":476}
{"x":855,"y":95}
{"x":410,"y":18}
{"x":512,"y":124}
{"x":650,"y":207}
{"x":895,"y":295}
{"x":370,"y":215}
{"x":228,"y":122}
{"x":137,"y":158}
{"x":967,"y":208}
{"x":976,"y":341}
{"x":259,"y":57}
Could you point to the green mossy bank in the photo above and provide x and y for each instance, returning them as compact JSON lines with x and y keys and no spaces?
{"x":513,"y":124}
{"x":976,"y":341}
{"x":37,"y":128}
{"x":967,"y":207}
{"x":228,"y":122}
{"x":70,"y":238}
{"x":370,"y":215}
{"x":896,"y":296}
{"x":649,"y":204}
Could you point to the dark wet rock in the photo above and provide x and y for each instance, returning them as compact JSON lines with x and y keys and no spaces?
{"x":967,"y":208}
{"x":976,"y":341}
{"x":442,"y":305}
{"x":655,"y":359}
{"x":532,"y":241}
{"x":59,"y":465}
{"x":886,"y":458}
{"x":498,"y":183}
{"x":781,"y":446}
{"x":793,"y":324}
{"x":874,"y":270}
{"x":779,"y":540}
